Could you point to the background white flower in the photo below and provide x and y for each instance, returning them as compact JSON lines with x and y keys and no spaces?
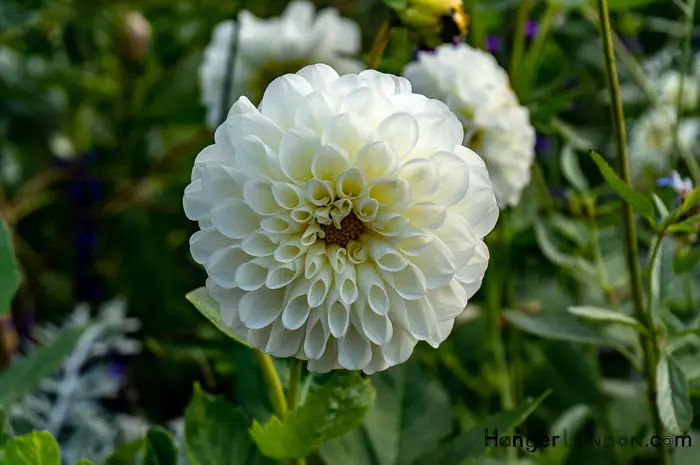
{"x":477,"y":89}
{"x":268,"y":48}
{"x":341,"y":221}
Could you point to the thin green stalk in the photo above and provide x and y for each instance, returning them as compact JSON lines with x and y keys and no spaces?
{"x":685,"y":65}
{"x":618,"y":120}
{"x":381,"y":40}
{"x":493,"y":300}
{"x":294,"y":383}
{"x":274,"y":385}
{"x":519,"y":39}
{"x":536,"y":51}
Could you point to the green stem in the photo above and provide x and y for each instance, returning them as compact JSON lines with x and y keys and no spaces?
{"x":294,"y":383}
{"x":493,"y":299}
{"x":274,"y":385}
{"x":647,"y":338}
{"x":685,"y":64}
{"x":380,"y":42}
{"x":536,"y":51}
{"x":519,"y":39}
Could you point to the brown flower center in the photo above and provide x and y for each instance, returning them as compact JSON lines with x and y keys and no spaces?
{"x":351,"y":228}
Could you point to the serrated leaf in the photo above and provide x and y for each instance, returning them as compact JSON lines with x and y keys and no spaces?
{"x":641,"y":204}
{"x":471,"y":444}
{"x":210,"y":309}
{"x":686,"y":262}
{"x":338,"y":407}
{"x":126,"y":453}
{"x":673,"y":400}
{"x":558,"y":327}
{"x":216,"y":432}
{"x":9,"y":276}
{"x":607,"y":315}
{"x":25,"y":376}
{"x":35,"y":448}
{"x":159,"y":448}
{"x":571,"y":169}
{"x":396,"y":424}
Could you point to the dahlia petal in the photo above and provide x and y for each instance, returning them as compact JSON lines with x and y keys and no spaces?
{"x":354,"y":352}
{"x":288,"y":196}
{"x":347,"y":132}
{"x":371,"y":285}
{"x":316,"y":260}
{"x":296,"y":154}
{"x":427,"y":215}
{"x":223,"y":263}
{"x":399,"y":348}
{"x":280,"y":224}
{"x":320,"y":285}
{"x":221,"y":182}
{"x":258,"y":194}
{"x":258,"y":245}
{"x":328,"y":360}
{"x":282,"y":342}
{"x":260,"y":308}
{"x":391,"y":224}
{"x":283,"y":274}
{"x":319,"y":76}
{"x":386,"y":257}
{"x":234,"y":218}
{"x":376,"y":159}
{"x":259,"y":338}
{"x":250,"y":276}
{"x":391,"y":192}
{"x":471,"y":275}
{"x":414,"y":242}
{"x":316,"y":338}
{"x":448,"y":302}
{"x":195,"y":202}
{"x":254,"y":157}
{"x":205,"y":242}
{"x":346,"y":284}
{"x":290,"y":89}
{"x":436,"y":264}
{"x":422,"y":175}
{"x":442,"y":330}
{"x":400,"y":131}
{"x":421,"y":318}
{"x":409,"y":282}
{"x":320,"y":192}
{"x":303,"y":214}
{"x":366,"y":209}
{"x":351,"y":184}
{"x":237,"y":127}
{"x":330,"y":161}
{"x":454,"y":178}
{"x":338,"y":317}
{"x":377,"y":328}
{"x":296,"y":310}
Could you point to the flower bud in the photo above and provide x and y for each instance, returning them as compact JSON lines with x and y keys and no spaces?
{"x":137,"y":35}
{"x":435,"y":21}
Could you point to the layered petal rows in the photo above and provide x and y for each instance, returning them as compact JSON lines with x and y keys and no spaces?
{"x":341,"y":221}
{"x":477,"y":90}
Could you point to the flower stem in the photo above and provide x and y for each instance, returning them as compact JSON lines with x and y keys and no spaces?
{"x":519,"y":39}
{"x":294,"y":383}
{"x":380,"y":42}
{"x":648,"y":341}
{"x":274,"y":384}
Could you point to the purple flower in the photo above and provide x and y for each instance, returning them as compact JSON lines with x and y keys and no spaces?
{"x":117,"y":369}
{"x":531,"y":28}
{"x":494,"y":44}
{"x":543,"y":144}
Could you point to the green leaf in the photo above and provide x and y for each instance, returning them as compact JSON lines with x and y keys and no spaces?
{"x":210,"y":309}
{"x":673,"y":399}
{"x":216,"y":432}
{"x":561,"y":327}
{"x":689,"y":225}
{"x":4,"y":437}
{"x":349,"y":449}
{"x":571,"y":169}
{"x":660,"y":207}
{"x":84,"y":462}
{"x":641,"y":204}
{"x":9,"y":276}
{"x":25,"y":376}
{"x":398,"y":5}
{"x":625,"y":4}
{"x":581,"y":268}
{"x":472,"y":444}
{"x":339,"y":406}
{"x":396,"y":423}
{"x":159,"y":448}
{"x":690,"y":201}
{"x":686,"y":262}
{"x":126,"y":453}
{"x":35,"y":448}
{"x":604,"y":314}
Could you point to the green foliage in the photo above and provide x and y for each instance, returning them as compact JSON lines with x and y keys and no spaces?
{"x":336,"y":408}
{"x":35,"y":448}
{"x":606,"y":315}
{"x":686,"y":261}
{"x":571,"y":169}
{"x":126,"y":454}
{"x":561,"y":327}
{"x":159,"y":448}
{"x":641,"y":204}
{"x":675,"y":408}
{"x":25,"y":376}
{"x":9,"y":276}
{"x":217,"y":432}
{"x":398,"y":5}
{"x":210,"y":309}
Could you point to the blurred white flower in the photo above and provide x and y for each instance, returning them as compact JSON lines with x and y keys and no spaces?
{"x":652,"y":138}
{"x":268,"y":48}
{"x":137,"y":35}
{"x":668,"y":85}
{"x":62,"y":147}
{"x":497,"y":127}
{"x":10,"y":169}
{"x":341,"y":221}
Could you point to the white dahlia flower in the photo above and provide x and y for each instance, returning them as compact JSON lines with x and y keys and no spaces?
{"x":268,"y":48}
{"x":341,"y":220}
{"x":668,"y":85}
{"x":476,"y":88}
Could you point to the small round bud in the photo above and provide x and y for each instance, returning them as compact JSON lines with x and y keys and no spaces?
{"x":137,"y":34}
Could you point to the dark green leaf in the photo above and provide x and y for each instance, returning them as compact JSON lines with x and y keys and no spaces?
{"x":25,"y":376}
{"x":690,"y":201}
{"x":210,"y":309}
{"x":159,"y":448}
{"x":4,"y":437}
{"x":126,"y":454}
{"x":398,"y":5}
{"x":396,"y":423}
{"x":688,"y":225}
{"x":686,"y":262}
{"x":606,"y":315}
{"x":578,"y":266}
{"x":35,"y":448}
{"x":562,"y":327}
{"x":9,"y":276}
{"x":641,"y":204}
{"x":472,"y":443}
{"x":84,"y":462}
{"x":625,"y":4}
{"x":338,"y":407}
{"x":673,"y":399}
{"x":216,"y":432}
{"x":349,"y":449}
{"x":571,"y":168}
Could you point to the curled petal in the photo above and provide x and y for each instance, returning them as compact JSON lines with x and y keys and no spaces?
{"x":391,"y":192}
{"x":330,"y":161}
{"x":287,"y":196}
{"x":371,"y":285}
{"x":282,"y":342}
{"x":354,"y":351}
{"x":320,"y":192}
{"x":320,"y":285}
{"x":296,"y":309}
{"x":316,"y":338}
{"x":296,"y":154}
{"x":400,"y":131}
{"x":351,"y":184}
{"x":205,"y":242}
{"x":284,"y":273}
{"x":234,"y":218}
{"x":260,"y":308}
{"x":223,"y":263}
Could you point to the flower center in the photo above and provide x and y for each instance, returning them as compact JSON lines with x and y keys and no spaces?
{"x":351,"y":228}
